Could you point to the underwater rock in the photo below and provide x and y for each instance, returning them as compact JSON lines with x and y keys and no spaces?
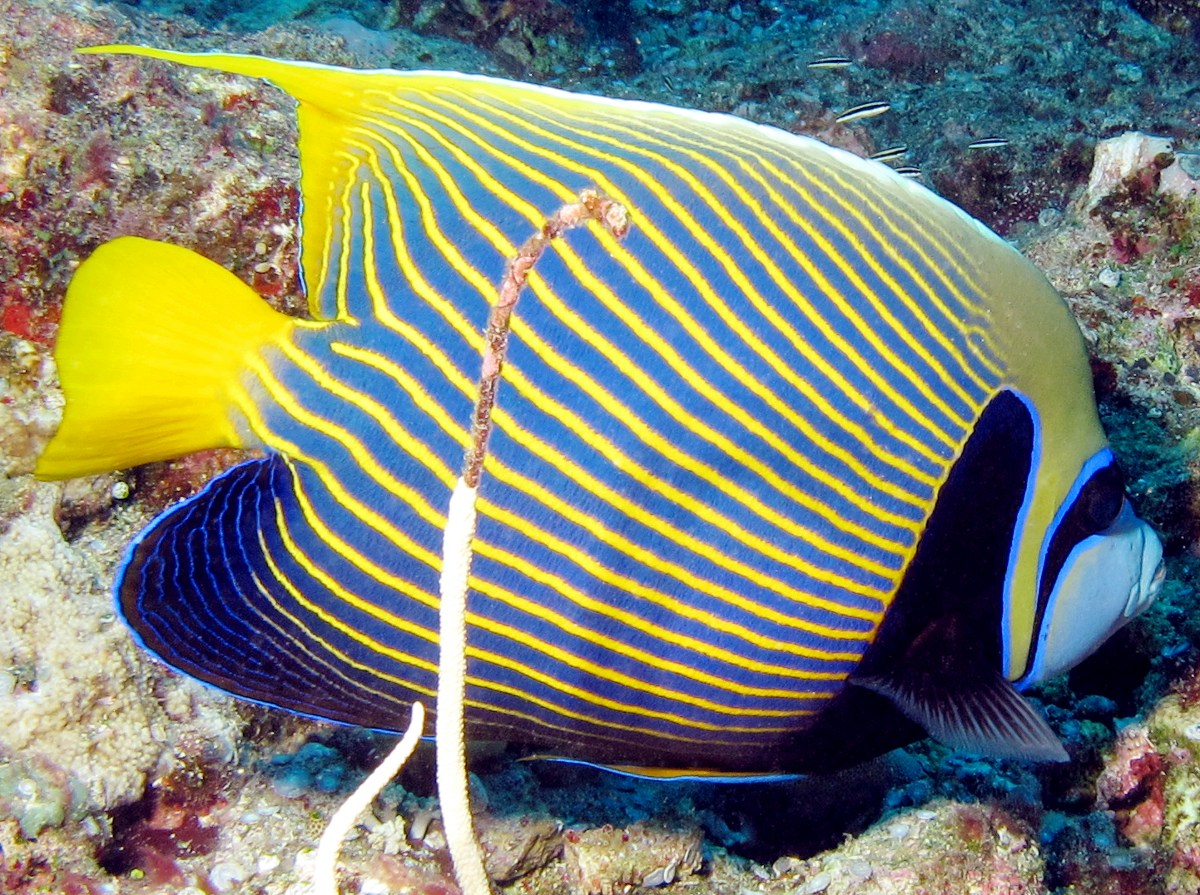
{"x":1152,"y":160}
{"x":1181,"y":178}
{"x":314,"y":765}
{"x":521,"y":35}
{"x":1124,"y":257}
{"x":72,"y":695}
{"x":946,"y":847}
{"x":1151,"y":787}
{"x":1131,"y":787}
{"x":80,"y":709}
{"x":27,"y":416}
{"x":37,"y":797}
{"x":84,"y":719}
{"x":1174,"y":729}
{"x":609,"y":859}
{"x":516,"y":846}
{"x":360,"y":40}
{"x":84,"y":500}
{"x":1177,"y":16}
{"x":1085,"y":854}
{"x":1120,"y":158}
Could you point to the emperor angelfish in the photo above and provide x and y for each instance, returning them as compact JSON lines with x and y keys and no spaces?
{"x":804,"y":466}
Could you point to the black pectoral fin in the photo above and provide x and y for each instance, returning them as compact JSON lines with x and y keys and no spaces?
{"x":977,"y":712}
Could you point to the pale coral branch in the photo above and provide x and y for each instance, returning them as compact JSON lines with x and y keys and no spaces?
{"x":590,"y":206}
{"x":453,"y":786}
{"x":452,"y":782}
{"x":328,"y":849}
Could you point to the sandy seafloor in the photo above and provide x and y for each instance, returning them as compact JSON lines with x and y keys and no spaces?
{"x":117,"y":776}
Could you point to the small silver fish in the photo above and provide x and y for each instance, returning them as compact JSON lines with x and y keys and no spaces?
{"x":988,"y":143}
{"x":884,"y":155}
{"x":866,"y":110}
{"x":832,"y":62}
{"x":908,"y":171}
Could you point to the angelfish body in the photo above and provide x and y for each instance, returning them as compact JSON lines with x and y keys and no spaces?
{"x":807,"y":462}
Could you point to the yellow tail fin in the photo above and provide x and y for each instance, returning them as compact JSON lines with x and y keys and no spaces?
{"x":153,"y":344}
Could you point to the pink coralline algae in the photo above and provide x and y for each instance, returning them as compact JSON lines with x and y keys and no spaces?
{"x":1132,"y":787}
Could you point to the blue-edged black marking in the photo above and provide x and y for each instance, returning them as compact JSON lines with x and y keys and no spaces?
{"x":945,"y":622}
{"x":1091,"y":506}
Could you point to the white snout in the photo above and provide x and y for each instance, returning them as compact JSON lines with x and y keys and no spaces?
{"x":1106,"y":580}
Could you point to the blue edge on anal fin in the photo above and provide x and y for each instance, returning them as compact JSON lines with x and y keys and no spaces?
{"x":190,"y":591}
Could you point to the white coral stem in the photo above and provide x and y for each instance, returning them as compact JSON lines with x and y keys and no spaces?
{"x":452,"y":782}
{"x":330,"y":846}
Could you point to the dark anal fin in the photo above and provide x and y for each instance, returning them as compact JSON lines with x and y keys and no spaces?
{"x":987,"y":715}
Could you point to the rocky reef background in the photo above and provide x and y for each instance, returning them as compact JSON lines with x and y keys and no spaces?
{"x":117,"y":777}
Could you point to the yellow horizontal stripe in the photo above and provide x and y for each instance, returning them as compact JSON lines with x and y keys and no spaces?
{"x":520,"y":122}
{"x":649,"y":336}
{"x":746,"y":498}
{"x":624,"y":156}
{"x":292,"y":453}
{"x":632,"y":264}
{"x":613,"y":454}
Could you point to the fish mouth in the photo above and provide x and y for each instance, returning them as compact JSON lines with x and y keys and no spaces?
{"x":1154,"y":572}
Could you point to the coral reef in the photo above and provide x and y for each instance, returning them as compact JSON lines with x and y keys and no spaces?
{"x":523,"y":35}
{"x":115,"y":777}
{"x":73,"y":708}
{"x":1124,"y":255}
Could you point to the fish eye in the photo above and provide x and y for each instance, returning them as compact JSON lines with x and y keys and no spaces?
{"x":1101,"y":499}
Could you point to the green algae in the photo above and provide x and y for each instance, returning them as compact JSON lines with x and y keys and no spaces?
{"x":38,"y":799}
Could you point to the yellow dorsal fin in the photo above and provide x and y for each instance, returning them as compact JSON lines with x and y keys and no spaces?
{"x":323,"y":86}
{"x":322,"y":92}
{"x":153,"y":344}
{"x":329,"y":100}
{"x":337,"y":110}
